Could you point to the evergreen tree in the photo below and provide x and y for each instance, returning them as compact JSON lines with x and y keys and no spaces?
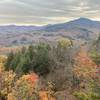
{"x":9,"y":61}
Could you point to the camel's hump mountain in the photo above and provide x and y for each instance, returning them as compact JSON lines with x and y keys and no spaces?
{"x":78,"y":23}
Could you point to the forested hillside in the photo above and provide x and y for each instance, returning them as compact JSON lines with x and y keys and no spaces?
{"x":51,"y":72}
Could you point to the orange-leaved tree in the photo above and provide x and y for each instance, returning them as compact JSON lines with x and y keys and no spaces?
{"x":88,"y":74}
{"x":24,"y":88}
{"x":84,"y":68}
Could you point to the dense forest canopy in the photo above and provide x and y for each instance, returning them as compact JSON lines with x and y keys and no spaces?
{"x":42,"y":71}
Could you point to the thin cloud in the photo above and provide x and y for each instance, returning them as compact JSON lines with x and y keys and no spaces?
{"x":46,"y":11}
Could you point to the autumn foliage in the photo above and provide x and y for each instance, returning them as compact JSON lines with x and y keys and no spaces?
{"x":88,"y":74}
{"x":84,"y":67}
{"x":44,"y":72}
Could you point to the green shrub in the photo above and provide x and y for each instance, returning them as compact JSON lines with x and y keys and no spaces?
{"x":35,"y":58}
{"x":86,"y":96}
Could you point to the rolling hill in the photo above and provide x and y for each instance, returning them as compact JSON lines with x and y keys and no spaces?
{"x":79,"y":29}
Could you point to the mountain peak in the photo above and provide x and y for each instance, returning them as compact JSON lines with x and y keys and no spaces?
{"x":83,"y":19}
{"x":82,"y":22}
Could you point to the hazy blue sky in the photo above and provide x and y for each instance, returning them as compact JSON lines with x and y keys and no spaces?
{"x":40,"y":12}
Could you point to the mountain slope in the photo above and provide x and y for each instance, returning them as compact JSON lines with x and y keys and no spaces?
{"x":78,"y":23}
{"x":79,"y":28}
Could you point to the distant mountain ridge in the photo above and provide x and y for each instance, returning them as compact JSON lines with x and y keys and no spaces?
{"x":78,"y":23}
{"x":81,"y":23}
{"x":79,"y":29}
{"x":18,"y":29}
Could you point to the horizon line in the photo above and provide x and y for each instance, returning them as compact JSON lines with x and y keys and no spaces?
{"x":40,"y":25}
